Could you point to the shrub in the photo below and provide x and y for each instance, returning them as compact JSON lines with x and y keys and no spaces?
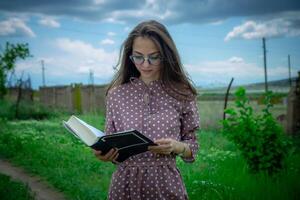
{"x":259,"y":137}
{"x":26,"y":110}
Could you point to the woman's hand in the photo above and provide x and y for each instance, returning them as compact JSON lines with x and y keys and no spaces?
{"x":110,"y":156}
{"x":167,"y":146}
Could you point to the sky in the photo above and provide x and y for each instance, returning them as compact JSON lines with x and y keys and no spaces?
{"x":216,"y":39}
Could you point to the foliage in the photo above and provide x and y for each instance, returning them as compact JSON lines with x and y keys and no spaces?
{"x":259,"y":137}
{"x":46,"y":149}
{"x":8,"y":59}
{"x":27,"y":110}
{"x":13,"y":190}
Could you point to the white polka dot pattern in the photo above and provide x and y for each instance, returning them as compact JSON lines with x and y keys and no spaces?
{"x":150,"y":110}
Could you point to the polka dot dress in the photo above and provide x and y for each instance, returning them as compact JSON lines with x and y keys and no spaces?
{"x":150,"y":110}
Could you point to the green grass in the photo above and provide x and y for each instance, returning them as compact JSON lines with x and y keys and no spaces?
{"x":221,"y":173}
{"x":211,"y":112}
{"x":46,"y":149}
{"x":10,"y":189}
{"x":26,"y":110}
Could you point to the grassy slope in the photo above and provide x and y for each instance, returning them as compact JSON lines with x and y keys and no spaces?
{"x":10,"y":189}
{"x":45,"y":148}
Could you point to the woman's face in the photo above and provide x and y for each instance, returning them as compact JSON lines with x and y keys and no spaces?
{"x":146,"y":57}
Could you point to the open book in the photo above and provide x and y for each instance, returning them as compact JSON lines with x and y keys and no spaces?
{"x":128,"y":143}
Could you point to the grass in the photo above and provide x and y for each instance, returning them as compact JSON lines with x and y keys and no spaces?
{"x":211,"y":112}
{"x":221,"y":173}
{"x":46,"y":149}
{"x":10,"y":189}
{"x":26,"y":110}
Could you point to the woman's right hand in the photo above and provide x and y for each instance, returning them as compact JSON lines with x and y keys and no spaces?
{"x":110,"y":156}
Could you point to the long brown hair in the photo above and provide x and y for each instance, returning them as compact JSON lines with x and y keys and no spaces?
{"x":174,"y":79}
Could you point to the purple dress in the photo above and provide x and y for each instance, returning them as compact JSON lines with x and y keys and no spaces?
{"x":150,"y":110}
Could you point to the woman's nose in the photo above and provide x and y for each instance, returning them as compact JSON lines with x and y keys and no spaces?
{"x":146,"y":63}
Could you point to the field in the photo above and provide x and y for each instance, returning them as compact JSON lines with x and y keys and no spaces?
{"x":13,"y":190}
{"x":211,"y":112}
{"x":44,"y":148}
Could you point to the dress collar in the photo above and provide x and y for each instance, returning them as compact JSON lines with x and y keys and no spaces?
{"x":139,"y":82}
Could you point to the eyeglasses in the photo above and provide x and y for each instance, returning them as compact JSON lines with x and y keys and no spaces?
{"x":152,"y":60}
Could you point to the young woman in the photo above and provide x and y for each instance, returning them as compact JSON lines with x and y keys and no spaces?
{"x":151,"y":93}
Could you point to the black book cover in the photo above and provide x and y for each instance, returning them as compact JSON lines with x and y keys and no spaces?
{"x":128,"y":143}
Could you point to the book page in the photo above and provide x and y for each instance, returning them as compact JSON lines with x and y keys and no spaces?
{"x":87,"y":133}
{"x":96,"y":132}
{"x":70,"y":129}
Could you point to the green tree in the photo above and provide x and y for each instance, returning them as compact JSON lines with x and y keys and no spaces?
{"x":8,"y":59}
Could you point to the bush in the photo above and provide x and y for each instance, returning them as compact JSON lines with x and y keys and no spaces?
{"x":259,"y":137}
{"x":26,"y":110}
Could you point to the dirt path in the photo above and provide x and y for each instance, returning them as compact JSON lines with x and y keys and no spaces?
{"x":41,"y":189}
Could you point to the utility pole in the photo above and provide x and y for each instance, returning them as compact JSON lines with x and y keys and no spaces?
{"x":91,"y":77}
{"x":290,"y":76}
{"x":265,"y":64}
{"x":43,"y":73}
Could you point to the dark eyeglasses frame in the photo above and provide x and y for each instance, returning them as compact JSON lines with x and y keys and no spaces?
{"x":144,"y":59}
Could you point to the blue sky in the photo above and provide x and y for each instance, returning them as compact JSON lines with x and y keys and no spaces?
{"x":216,"y":39}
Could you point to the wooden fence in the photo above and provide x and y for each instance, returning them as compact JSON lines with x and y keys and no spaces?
{"x":74,"y":98}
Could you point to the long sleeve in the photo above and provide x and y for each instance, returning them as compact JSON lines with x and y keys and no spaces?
{"x":189,"y":124}
{"x":109,"y":122}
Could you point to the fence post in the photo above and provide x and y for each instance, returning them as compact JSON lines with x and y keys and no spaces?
{"x":293,"y":111}
{"x":226,"y":98}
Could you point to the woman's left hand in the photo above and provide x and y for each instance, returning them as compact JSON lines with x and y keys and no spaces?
{"x":166,"y":146}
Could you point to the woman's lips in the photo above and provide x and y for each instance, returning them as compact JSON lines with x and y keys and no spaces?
{"x":146,"y":71}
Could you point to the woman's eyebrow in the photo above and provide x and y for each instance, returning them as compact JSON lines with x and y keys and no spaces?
{"x":148,"y":54}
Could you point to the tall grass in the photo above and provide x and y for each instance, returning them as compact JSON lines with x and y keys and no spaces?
{"x":10,"y":189}
{"x":211,"y":112}
{"x":46,"y":149}
{"x":221,"y":173}
{"x":26,"y":110}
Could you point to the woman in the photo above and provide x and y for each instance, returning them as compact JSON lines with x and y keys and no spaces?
{"x":151,"y":93}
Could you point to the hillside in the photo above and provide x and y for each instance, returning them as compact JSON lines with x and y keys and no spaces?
{"x":278,"y":86}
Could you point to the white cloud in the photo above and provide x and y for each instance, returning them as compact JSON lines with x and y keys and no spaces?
{"x":72,"y":62}
{"x":99,"y":2}
{"x":279,"y":27}
{"x":81,"y":57}
{"x":174,"y":12}
{"x":210,"y":72}
{"x":49,"y":22}
{"x":217,"y":23}
{"x":126,"y":29}
{"x":235,"y":59}
{"x":15,"y":27}
{"x":148,"y":11}
{"x":107,"y":42}
{"x":111,"y":33}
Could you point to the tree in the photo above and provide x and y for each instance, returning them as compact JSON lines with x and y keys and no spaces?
{"x":8,"y":60}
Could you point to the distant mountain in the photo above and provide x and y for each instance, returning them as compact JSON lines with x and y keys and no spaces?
{"x":282,"y":86}
{"x":277,"y":83}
